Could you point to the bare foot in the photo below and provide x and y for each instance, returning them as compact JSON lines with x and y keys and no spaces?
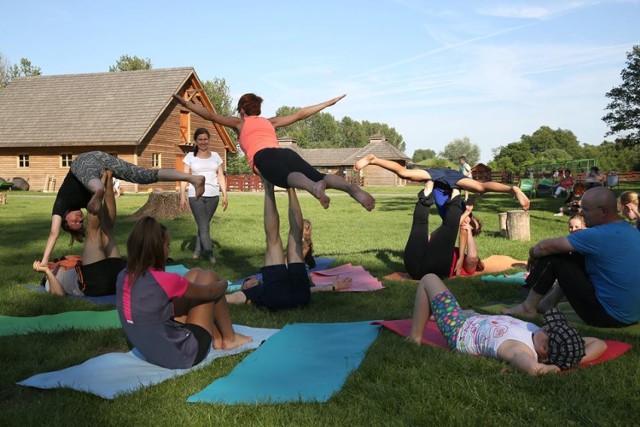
{"x":198,"y":183}
{"x":319,"y":189}
{"x":365,"y":161}
{"x":236,"y":341}
{"x":414,"y":340}
{"x":522,"y":198}
{"x":520,"y":310}
{"x":365,"y":199}
{"x":216,"y":341}
{"x":95,"y":203}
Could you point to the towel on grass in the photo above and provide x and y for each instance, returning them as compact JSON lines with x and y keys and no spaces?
{"x":362,"y":280}
{"x":322,"y":263}
{"x":433,"y":336}
{"x":85,"y":320}
{"x":113,"y":374}
{"x":111,"y":299}
{"x":304,"y":362}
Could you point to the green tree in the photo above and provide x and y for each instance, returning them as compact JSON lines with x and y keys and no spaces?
{"x":546,"y":138}
{"x":553,"y":155}
{"x":423,"y":154}
{"x":512,"y":157}
{"x":461,"y":147}
{"x":131,"y":63}
{"x":9,"y":72}
{"x":219,"y":94}
{"x":391,"y":135}
{"x":623,"y":118}
{"x":353,"y":133}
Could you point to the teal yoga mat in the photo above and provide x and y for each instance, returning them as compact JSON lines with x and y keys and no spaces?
{"x":517,"y":278}
{"x":86,"y":320}
{"x":304,"y":362}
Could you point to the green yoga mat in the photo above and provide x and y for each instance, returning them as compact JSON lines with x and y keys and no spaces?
{"x":565,"y":307}
{"x":85,"y":320}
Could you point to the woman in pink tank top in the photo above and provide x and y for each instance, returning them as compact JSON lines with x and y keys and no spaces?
{"x":280,"y":166}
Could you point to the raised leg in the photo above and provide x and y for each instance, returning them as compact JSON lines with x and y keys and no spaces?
{"x":273,"y":254}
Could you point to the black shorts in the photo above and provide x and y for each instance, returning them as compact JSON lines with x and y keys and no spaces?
{"x":275,"y":165}
{"x":282,"y":287}
{"x":204,"y":341}
{"x":445,"y":178}
{"x":99,"y":278}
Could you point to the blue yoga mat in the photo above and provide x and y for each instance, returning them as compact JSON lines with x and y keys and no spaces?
{"x":304,"y":362}
{"x":114,"y":374}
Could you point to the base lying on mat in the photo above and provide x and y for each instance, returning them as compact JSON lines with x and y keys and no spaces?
{"x":432,"y":336}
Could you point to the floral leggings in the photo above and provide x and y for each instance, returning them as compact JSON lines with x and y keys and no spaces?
{"x":449,"y":316}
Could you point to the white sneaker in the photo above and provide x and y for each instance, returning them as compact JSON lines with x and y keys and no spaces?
{"x":558,"y":214}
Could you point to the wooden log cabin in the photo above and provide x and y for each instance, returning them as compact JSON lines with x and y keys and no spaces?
{"x":46,"y":121}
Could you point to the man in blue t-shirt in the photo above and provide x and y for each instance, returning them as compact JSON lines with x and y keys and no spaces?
{"x":596,"y":268}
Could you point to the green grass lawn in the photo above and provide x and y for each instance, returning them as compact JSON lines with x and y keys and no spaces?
{"x":397,"y":384}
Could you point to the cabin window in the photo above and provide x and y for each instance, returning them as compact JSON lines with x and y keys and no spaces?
{"x":65,"y":160}
{"x":23,"y":160}
{"x":185,"y":123}
{"x":156,"y":160}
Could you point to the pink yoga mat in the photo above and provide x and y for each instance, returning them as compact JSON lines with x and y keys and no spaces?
{"x":432,"y":336}
{"x":362,"y":280}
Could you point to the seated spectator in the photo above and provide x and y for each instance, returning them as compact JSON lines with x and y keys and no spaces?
{"x":572,"y":203}
{"x":564,"y":184}
{"x":595,"y":268}
{"x":629,"y":207}
{"x":594,"y":178}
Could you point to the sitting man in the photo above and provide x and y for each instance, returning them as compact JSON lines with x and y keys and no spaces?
{"x":599,"y":279}
{"x":285,"y":283}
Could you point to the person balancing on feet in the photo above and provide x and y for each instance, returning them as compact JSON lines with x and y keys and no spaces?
{"x":443,"y":177}
{"x":280,"y":166}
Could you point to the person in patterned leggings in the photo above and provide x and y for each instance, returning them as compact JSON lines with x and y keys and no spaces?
{"x":553,"y":347}
{"x":83,"y":188}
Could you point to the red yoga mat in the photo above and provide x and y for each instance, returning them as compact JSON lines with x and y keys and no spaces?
{"x":432,"y":336}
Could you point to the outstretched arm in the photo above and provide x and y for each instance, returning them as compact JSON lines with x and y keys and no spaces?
{"x":56,"y":224}
{"x":303,"y":113}
{"x":229,"y":121}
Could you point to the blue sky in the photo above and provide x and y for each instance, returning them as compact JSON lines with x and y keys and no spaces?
{"x":435,"y":71}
